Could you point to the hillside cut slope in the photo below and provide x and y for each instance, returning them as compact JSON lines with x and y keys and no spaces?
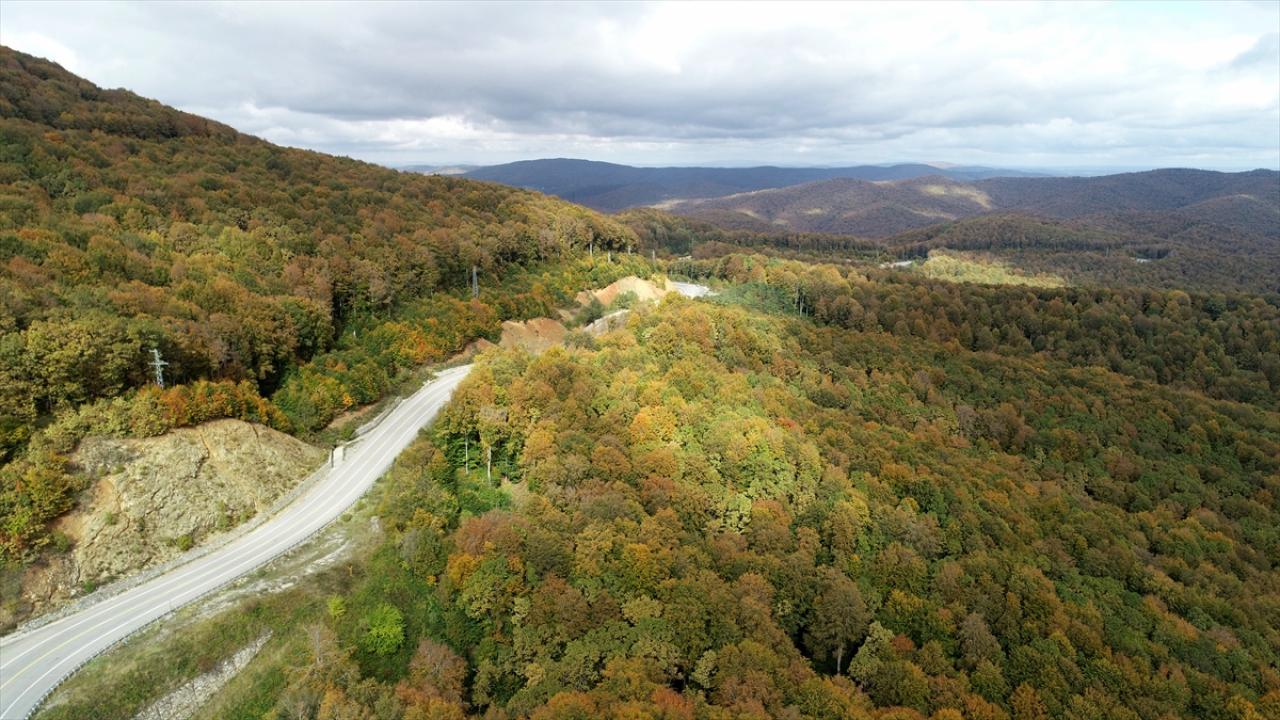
{"x":150,"y":499}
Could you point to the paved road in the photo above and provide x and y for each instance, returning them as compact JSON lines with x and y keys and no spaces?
{"x":33,"y":663}
{"x":692,"y":290}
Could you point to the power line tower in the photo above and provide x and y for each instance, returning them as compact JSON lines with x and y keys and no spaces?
{"x":157,"y":366}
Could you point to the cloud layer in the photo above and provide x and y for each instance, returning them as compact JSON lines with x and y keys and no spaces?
{"x":1003,"y":84}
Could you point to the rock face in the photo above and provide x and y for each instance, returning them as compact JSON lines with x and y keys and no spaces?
{"x":155,"y":497}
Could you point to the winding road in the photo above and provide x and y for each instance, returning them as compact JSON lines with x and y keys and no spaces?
{"x":34,"y":662}
{"x":691,"y":290}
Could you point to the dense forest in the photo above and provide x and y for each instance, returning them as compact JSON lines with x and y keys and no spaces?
{"x":1224,"y":345}
{"x":729,"y":511}
{"x":278,"y":285}
{"x":1187,"y":229}
{"x":1172,"y":250}
{"x":833,"y":490}
{"x":612,"y":187}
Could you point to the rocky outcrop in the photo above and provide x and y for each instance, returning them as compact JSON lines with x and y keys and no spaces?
{"x":154,"y":498}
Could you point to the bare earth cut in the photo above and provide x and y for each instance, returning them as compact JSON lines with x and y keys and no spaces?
{"x":154,"y":498}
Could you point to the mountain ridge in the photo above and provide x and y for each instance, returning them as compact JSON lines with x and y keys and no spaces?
{"x":611,"y":186}
{"x":883,"y":208}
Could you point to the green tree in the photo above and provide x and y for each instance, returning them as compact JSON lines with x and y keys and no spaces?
{"x":384,"y":630}
{"x":840,"y":618}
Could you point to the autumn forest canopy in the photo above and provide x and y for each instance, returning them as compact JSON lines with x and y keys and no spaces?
{"x":1020,"y":464}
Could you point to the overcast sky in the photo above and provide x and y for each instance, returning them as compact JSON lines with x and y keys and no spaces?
{"x":1014,"y":85}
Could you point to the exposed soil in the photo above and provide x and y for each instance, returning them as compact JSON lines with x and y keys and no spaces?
{"x":533,"y":336}
{"x":154,"y":498}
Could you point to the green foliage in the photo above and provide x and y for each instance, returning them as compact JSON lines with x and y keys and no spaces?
{"x":281,"y":286}
{"x":1227,"y":346}
{"x":740,"y":513}
{"x":336,"y":606}
{"x":967,"y":268}
{"x":385,"y":630}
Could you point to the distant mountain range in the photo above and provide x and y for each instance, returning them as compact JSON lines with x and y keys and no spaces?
{"x":1248,"y":201}
{"x":611,"y":187}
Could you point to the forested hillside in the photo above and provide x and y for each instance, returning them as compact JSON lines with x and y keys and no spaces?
{"x":1139,"y":250}
{"x":278,"y":285}
{"x":832,"y":490}
{"x":1248,"y":201}
{"x":738,"y":512}
{"x":1165,"y":250}
{"x":611,"y":187}
{"x":1223,"y":345}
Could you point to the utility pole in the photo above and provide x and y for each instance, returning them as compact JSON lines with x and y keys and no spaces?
{"x":157,"y":366}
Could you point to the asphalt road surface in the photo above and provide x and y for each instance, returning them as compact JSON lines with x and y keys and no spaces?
{"x":692,"y":290}
{"x":33,"y":663}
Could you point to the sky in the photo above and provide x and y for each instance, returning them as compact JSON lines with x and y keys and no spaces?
{"x":1074,"y":85}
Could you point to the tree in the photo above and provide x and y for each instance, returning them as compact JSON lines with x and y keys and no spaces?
{"x":976,"y":641}
{"x":1025,"y":704}
{"x":437,"y":670}
{"x":840,"y":618}
{"x":384,"y":630}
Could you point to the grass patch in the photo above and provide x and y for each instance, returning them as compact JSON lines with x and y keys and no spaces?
{"x":124,"y":682}
{"x":967,"y":268}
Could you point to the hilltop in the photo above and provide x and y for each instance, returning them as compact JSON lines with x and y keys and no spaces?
{"x":610,"y":187}
{"x":1248,"y":201}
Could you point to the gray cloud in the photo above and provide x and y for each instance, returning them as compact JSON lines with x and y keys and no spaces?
{"x":1006,"y":84}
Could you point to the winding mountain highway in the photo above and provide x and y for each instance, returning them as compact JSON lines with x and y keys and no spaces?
{"x":34,"y":662}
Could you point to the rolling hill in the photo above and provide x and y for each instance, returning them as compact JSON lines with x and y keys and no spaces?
{"x":1248,"y":201}
{"x":607,"y":186}
{"x":827,"y":491}
{"x":279,"y":285}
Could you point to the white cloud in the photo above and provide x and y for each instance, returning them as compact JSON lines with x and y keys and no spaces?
{"x":35,"y":43}
{"x":1003,"y":83}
